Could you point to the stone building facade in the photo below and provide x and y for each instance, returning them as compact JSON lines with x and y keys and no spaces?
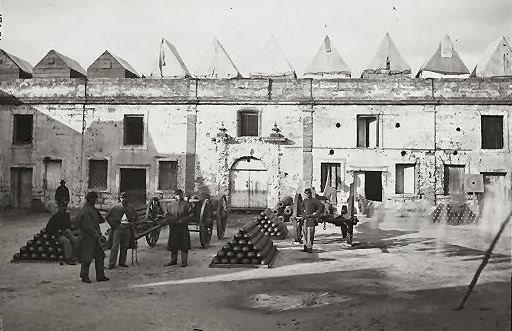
{"x":255,"y":140}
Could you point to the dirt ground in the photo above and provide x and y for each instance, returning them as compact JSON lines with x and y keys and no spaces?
{"x":404,"y":273}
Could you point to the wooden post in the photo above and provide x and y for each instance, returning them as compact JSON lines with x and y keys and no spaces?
{"x":484,"y":262}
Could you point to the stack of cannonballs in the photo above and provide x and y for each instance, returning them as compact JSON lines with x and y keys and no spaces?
{"x":453,"y":214}
{"x":284,"y":209}
{"x":250,"y":247}
{"x":272,"y":226}
{"x":43,"y":247}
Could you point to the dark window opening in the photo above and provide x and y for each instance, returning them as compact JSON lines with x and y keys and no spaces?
{"x":133,"y":182}
{"x":98,"y":174}
{"x":330,"y":175}
{"x":492,"y":132}
{"x":367,"y":131}
{"x":22,"y":130}
{"x":405,"y":179}
{"x":248,"y":123}
{"x":454,"y":179}
{"x":133,"y":130}
{"x":167,"y":175}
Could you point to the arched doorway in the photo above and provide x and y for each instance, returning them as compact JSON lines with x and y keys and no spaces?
{"x":248,"y":184}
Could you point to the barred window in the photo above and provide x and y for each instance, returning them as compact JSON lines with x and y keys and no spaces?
{"x":98,"y":171}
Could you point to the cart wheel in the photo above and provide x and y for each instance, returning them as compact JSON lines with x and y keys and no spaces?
{"x":152,"y":237}
{"x":206,"y":223}
{"x":222,"y":216}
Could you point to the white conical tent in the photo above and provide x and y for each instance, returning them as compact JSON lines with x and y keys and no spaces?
{"x":272,"y":63}
{"x":496,"y":60}
{"x":327,"y":63}
{"x":170,"y":63}
{"x":445,"y":62}
{"x":218,"y":64}
{"x":387,"y":60}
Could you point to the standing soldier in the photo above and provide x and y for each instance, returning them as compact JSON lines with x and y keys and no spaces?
{"x":120,"y":217}
{"x":89,"y":221}
{"x":313,"y":209}
{"x":179,"y":237}
{"x":62,"y":194}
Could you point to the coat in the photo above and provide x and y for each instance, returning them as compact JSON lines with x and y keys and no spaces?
{"x":89,"y":220}
{"x":178,"y":215}
{"x":62,"y":196}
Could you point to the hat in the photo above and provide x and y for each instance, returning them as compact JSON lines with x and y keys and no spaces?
{"x":91,"y":196}
{"x":194,"y":198}
{"x":63,"y":181}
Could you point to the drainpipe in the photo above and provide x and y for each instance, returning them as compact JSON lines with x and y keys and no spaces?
{"x":80,"y":166}
{"x":435,"y":156}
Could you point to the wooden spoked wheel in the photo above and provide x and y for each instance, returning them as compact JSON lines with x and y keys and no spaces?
{"x":206,"y":223}
{"x":222,"y":216}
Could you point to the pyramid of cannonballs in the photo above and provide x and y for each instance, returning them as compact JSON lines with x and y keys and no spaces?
{"x":43,"y":247}
{"x":272,"y":226}
{"x":250,"y":247}
{"x":453,"y":215}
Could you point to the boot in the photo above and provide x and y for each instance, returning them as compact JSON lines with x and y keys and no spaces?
{"x":184,"y":258}
{"x":174,"y":259}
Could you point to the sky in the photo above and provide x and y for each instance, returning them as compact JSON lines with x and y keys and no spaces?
{"x":132,"y":29}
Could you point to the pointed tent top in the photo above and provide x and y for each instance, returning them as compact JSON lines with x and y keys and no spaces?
{"x":389,"y":58}
{"x":496,"y":60}
{"x":22,"y":64}
{"x":327,"y":61}
{"x":272,"y":62}
{"x":72,"y":64}
{"x":445,"y":60}
{"x":170,"y":62}
{"x":220,"y":64}
{"x":123,"y":63}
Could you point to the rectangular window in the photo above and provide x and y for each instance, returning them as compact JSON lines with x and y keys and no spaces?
{"x":133,"y":130}
{"x":454,"y":179}
{"x":248,"y":123}
{"x":22,"y":129}
{"x":492,"y":132}
{"x":167,"y":175}
{"x":98,"y":170}
{"x":330,"y":175}
{"x":367,"y":131}
{"x":405,"y":179}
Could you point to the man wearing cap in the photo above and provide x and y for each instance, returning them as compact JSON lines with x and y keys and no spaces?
{"x":313,"y":209}
{"x":89,"y":221}
{"x":120,"y":218}
{"x":178,"y":218}
{"x":62,"y":194}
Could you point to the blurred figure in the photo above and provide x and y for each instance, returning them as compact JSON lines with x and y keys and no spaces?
{"x":89,"y":221}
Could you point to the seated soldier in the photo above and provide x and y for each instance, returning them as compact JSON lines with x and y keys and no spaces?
{"x":59,"y":226}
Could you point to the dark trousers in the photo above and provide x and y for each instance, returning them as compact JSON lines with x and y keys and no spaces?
{"x":120,"y":243}
{"x":98,"y":256}
{"x":347,"y":228}
{"x":184,"y":257}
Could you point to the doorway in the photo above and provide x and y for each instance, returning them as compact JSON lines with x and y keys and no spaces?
{"x":21,"y":187}
{"x":51,"y":180}
{"x":133,"y":183}
{"x":369,"y":185}
{"x":248,"y":184}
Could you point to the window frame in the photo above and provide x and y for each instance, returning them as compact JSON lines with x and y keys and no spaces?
{"x":253,"y":112}
{"x":415,"y":188}
{"x":330,"y":164}
{"x":367,"y":129}
{"x":143,"y":144}
{"x":15,"y":130}
{"x":446,"y":183}
{"x":158,"y":188}
{"x":107,"y":189}
{"x":502,"y":139}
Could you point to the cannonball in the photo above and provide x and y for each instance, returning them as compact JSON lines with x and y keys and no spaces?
{"x":233,"y":261}
{"x":255,"y":261}
{"x":39,"y":242}
{"x":251,"y":255}
{"x":23,"y":249}
{"x":37,"y":236}
{"x":240,"y":255}
{"x":59,"y":250}
{"x":246,"y":249}
{"x":25,"y":256}
{"x":34,"y":256}
{"x":230,"y":254}
{"x":224,"y":260}
{"x":47,"y":243}
{"x":40,"y":249}
{"x":43,"y":231}
{"x":246,"y":261}
{"x":215,"y":260}
{"x":52,"y":257}
{"x":30,"y":243}
{"x":31,"y":249}
{"x":44,"y":236}
{"x":242,"y":242}
{"x":50,"y":249}
{"x":44,"y":256}
{"x":221,"y":253}
{"x":61,"y":257}
{"x":237,"y":248}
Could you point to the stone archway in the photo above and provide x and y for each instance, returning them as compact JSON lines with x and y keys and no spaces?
{"x":248,"y":184}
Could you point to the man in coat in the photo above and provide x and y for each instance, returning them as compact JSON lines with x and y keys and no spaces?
{"x":89,"y":221}
{"x":59,"y":226}
{"x":313,"y":209}
{"x":121,"y":218}
{"x":62,"y":194}
{"x":178,"y":216}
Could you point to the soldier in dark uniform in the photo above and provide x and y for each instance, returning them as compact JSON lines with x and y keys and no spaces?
{"x":179,"y":237}
{"x":89,"y":221}
{"x":59,"y":226}
{"x":62,"y":194}
{"x":120,"y":218}
{"x":313,"y":209}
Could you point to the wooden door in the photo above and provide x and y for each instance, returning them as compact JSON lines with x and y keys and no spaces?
{"x":21,"y":187}
{"x":52,"y":178}
{"x":249,"y":184}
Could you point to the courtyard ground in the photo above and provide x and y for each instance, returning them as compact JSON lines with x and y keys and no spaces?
{"x":404,"y":273}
